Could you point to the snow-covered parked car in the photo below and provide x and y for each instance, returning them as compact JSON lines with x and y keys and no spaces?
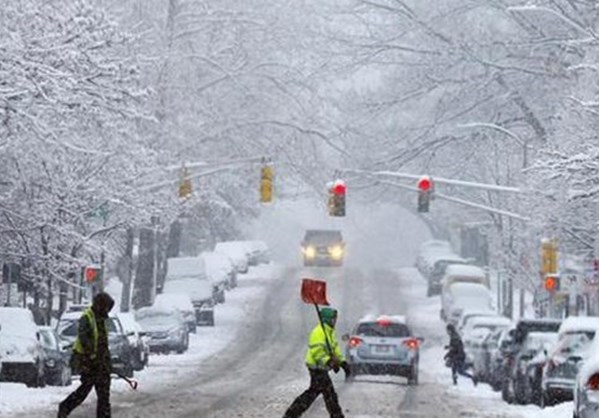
{"x":137,"y":341}
{"x":257,"y":252}
{"x":559,"y":374}
{"x":476,"y":330}
{"x":438,"y":266}
{"x":462,"y":296}
{"x":57,"y":361}
{"x":586,"y":389}
{"x":166,"y":329}
{"x":221,"y":272}
{"x":430,"y":249}
{"x":22,"y":354}
{"x":187,"y":276}
{"x":121,"y":356}
{"x":464,"y":273}
{"x":236,"y":251}
{"x":180,"y":302}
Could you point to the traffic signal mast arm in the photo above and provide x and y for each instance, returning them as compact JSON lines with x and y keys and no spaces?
{"x":440,"y":180}
{"x":456,"y":200}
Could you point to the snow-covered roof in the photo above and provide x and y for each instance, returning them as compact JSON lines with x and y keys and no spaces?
{"x":174,"y":301}
{"x":434,"y":244}
{"x":234,"y":249}
{"x":399,"y":319}
{"x":464,"y":270}
{"x":497,"y":321}
{"x":184,"y":267}
{"x":469,"y":290}
{"x":17,"y":321}
{"x":574,"y":324}
{"x":218,"y":265}
{"x":194,"y":288}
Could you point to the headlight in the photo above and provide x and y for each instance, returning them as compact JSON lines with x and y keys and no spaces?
{"x":310,"y":252}
{"x":336,"y":252}
{"x":50,"y":363}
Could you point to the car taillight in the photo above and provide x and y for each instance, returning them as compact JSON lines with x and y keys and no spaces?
{"x":412,"y":343}
{"x":355,"y":342}
{"x":593,"y":382}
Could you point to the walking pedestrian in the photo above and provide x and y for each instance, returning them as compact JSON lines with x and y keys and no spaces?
{"x":91,"y":357}
{"x":324,"y":354}
{"x":456,"y":356}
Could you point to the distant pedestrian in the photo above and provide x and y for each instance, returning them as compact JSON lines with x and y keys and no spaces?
{"x":456,"y":356}
{"x":324,"y":354}
{"x":91,"y":357}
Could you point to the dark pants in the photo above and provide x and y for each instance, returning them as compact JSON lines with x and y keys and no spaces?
{"x":459,"y":367}
{"x":90,"y":379}
{"x":320,"y":383}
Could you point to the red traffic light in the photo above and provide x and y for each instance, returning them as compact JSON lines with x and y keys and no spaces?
{"x":425,"y":183}
{"x":92,"y":274}
{"x":551,"y":283}
{"x":339,"y":187}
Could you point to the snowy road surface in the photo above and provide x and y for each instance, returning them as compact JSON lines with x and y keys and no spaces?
{"x":251,"y":363}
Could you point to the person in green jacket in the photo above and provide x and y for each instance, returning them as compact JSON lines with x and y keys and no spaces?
{"x":324,"y":354}
{"x":91,"y":357}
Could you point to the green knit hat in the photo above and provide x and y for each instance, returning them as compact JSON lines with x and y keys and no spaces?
{"x":328,"y":315}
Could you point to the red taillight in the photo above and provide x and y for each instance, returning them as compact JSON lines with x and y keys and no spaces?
{"x":355,"y":341}
{"x":412,"y":343}
{"x":593,"y":382}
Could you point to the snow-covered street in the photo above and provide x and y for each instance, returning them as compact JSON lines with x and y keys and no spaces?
{"x":251,"y":363}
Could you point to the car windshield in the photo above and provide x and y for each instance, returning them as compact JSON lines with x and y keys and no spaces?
{"x":323,"y":237}
{"x":536,"y":342}
{"x":374,"y":329}
{"x":48,"y":340}
{"x":572,"y":344}
{"x":156,"y":319}
{"x":69,"y":327}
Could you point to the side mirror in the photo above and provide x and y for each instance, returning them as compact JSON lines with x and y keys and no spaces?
{"x":130,"y":333}
{"x":545,"y":352}
{"x":142,"y":333}
{"x":38,"y":336}
{"x":420,"y":339}
{"x":345,"y":337}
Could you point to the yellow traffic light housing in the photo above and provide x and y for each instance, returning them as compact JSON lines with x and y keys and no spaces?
{"x":550,"y":256}
{"x":185,"y":186}
{"x":267,"y":184}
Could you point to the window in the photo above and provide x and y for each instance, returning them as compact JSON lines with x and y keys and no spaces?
{"x":374,"y":329}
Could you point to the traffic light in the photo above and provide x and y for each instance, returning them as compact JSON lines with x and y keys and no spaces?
{"x":185,"y":187}
{"x":425,"y":189}
{"x":266,"y":184}
{"x":552,"y":283}
{"x":550,"y":256}
{"x":337,"y":193}
{"x":91,"y":274}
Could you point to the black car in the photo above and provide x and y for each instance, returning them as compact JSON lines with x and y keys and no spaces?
{"x":57,"y":370}
{"x":511,"y":347}
{"x":121,"y":353}
{"x":321,"y":247}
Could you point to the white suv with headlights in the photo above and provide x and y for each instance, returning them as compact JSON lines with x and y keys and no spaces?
{"x":323,"y":247}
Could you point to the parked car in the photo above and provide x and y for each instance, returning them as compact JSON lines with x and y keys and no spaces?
{"x":140,"y":351}
{"x":460,"y":297}
{"x":438,"y":271}
{"x":562,"y":367}
{"x":187,"y":276}
{"x":483,"y":359}
{"x":180,"y":302}
{"x":427,"y":249}
{"x":260,"y":251}
{"x":476,"y":330}
{"x":57,"y":369}
{"x":512,"y":347}
{"x":22,"y":355}
{"x":220,"y":271}
{"x":323,"y":247}
{"x":121,"y":355}
{"x":464,"y":273}
{"x":383,"y":345}
{"x":586,"y":388}
{"x":497,"y":353}
{"x":236,"y":251}
{"x":535,"y":344}
{"x":166,"y":329}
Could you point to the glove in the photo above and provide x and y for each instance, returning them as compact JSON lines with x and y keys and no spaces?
{"x":346,"y":369}
{"x":334,"y":364}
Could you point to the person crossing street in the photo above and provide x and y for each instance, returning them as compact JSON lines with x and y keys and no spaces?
{"x":456,"y":356}
{"x":324,"y":354}
{"x":91,"y":357}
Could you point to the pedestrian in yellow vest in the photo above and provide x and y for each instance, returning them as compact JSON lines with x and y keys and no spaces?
{"x":91,"y":358}
{"x":324,"y":354}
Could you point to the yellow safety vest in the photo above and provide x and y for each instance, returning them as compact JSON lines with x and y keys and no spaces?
{"x":318,"y":354}
{"x":78,"y":346}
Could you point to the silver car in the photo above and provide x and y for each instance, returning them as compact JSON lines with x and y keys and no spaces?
{"x":383,"y":345}
{"x":586,"y":390}
{"x":559,"y":372}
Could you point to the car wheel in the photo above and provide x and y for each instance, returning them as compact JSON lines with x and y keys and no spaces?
{"x":128,"y":372}
{"x":505,"y":391}
{"x":66,"y":377}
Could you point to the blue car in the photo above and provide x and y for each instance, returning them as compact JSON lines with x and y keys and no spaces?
{"x":383,"y":345}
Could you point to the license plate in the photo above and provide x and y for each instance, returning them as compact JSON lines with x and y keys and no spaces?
{"x":382,"y":349}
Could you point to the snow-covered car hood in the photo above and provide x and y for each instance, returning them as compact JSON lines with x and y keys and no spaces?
{"x":18,"y":349}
